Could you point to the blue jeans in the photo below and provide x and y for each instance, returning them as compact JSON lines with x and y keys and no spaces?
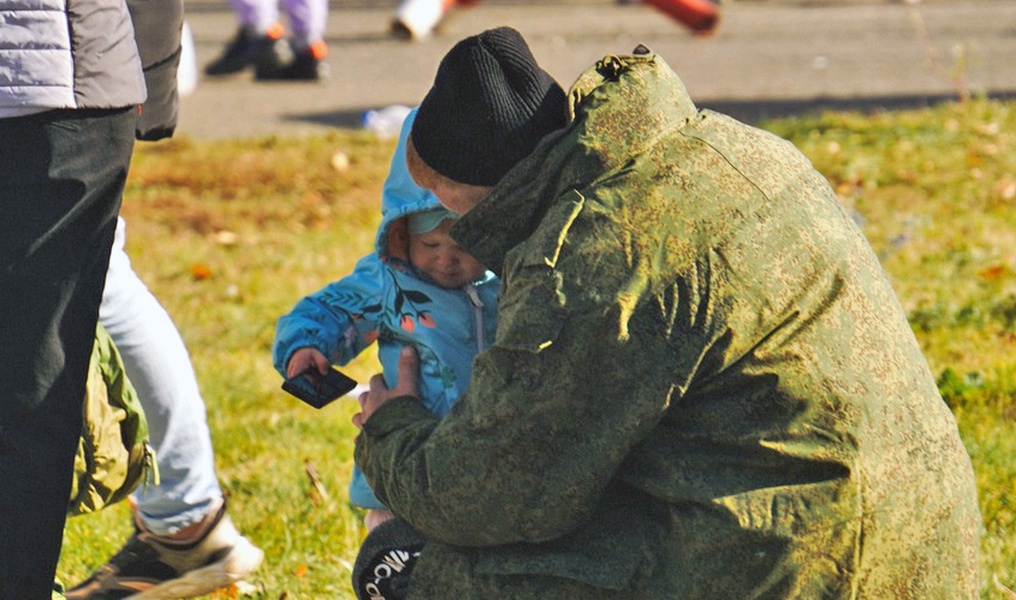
{"x":160,"y":369}
{"x":62,"y":176}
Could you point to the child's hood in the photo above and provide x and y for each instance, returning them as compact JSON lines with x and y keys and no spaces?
{"x":400,"y":197}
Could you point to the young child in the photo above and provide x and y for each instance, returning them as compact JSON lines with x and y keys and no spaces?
{"x":418,"y":288}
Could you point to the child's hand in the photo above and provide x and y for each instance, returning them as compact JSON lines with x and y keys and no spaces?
{"x":304,"y":358}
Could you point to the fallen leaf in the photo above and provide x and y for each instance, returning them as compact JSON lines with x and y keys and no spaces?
{"x":992,"y":272}
{"x":200,"y":272}
{"x":227,"y":593}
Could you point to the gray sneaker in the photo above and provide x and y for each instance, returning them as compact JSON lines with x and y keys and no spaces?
{"x":150,"y":567}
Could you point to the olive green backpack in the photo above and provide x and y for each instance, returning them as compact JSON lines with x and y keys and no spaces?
{"x":113,"y":454}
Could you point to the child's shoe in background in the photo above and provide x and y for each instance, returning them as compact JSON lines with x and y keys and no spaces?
{"x":306,"y":64}
{"x":244,"y":50}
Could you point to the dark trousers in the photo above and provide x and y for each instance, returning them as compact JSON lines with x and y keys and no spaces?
{"x":62,"y":177}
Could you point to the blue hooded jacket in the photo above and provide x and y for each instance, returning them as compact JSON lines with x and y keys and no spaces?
{"x":387,"y":300}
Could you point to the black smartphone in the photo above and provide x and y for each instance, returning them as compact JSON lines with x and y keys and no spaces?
{"x":316,"y":389}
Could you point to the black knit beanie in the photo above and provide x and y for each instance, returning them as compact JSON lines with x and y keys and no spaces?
{"x":488,"y":108}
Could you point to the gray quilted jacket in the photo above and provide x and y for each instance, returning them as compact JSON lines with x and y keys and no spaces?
{"x":81,"y":54}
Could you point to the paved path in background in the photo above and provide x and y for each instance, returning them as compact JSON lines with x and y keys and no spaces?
{"x":768,"y":57}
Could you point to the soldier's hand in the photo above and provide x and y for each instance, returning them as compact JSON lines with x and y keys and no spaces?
{"x":379,"y":393}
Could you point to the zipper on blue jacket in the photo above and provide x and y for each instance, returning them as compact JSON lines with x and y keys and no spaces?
{"x":474,"y":299}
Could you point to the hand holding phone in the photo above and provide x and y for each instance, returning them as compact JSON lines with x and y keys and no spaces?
{"x":316,"y":389}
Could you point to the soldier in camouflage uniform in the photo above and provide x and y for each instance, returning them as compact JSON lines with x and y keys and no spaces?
{"x":702,"y":385}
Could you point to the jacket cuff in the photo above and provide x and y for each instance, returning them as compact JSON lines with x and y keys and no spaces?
{"x":396,"y":414}
{"x":160,"y":110}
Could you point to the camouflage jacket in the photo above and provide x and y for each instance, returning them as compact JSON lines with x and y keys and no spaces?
{"x":702,"y":385}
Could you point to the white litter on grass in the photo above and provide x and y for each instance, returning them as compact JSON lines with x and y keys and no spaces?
{"x":386,"y":123}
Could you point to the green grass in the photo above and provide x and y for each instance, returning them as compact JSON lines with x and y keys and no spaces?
{"x":229,"y":235}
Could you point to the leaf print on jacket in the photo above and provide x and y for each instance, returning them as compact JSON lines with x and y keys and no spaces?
{"x":385,"y":300}
{"x":407,"y":316}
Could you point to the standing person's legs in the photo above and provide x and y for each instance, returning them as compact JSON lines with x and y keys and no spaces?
{"x":260,"y":15}
{"x":307,"y":22}
{"x":62,"y":175}
{"x":160,"y":369}
{"x":258,"y":38}
{"x":184,"y":544}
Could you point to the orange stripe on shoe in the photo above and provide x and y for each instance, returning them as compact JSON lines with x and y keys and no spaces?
{"x":276,"y":31}
{"x":319,"y":50}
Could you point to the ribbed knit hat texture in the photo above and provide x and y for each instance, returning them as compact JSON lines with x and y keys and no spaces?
{"x":488,"y":108}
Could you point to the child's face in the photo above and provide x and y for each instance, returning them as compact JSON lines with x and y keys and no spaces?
{"x":436,"y":254}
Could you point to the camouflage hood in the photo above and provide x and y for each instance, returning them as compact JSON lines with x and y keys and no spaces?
{"x":610,"y":126}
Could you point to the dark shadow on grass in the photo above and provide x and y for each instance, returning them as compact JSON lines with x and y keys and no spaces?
{"x":343,"y":119}
{"x":752,"y":111}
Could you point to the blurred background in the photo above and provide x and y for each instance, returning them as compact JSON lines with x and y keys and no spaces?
{"x":766,"y":58}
